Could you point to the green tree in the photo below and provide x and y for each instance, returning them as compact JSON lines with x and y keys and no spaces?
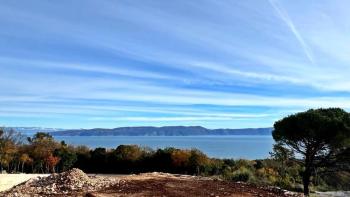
{"x":197,"y":161}
{"x":282,"y":155}
{"x":67,"y":156}
{"x":320,"y":137}
{"x":42,"y":146}
{"x":128,"y":152}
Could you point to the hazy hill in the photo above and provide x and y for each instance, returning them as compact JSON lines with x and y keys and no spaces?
{"x":32,"y":130}
{"x":162,"y":131}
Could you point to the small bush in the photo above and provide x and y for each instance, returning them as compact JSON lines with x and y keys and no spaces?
{"x":284,"y":183}
{"x":243,"y":174}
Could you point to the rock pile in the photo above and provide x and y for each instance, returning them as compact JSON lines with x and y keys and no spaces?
{"x":71,"y":182}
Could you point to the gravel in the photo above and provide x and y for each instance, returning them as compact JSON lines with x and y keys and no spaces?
{"x":72,"y":182}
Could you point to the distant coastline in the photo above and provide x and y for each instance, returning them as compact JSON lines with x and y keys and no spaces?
{"x":162,"y":131}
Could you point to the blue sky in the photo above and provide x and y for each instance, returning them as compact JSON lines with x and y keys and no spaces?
{"x":218,"y":64}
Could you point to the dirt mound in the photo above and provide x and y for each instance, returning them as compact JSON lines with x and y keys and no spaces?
{"x":69,"y":182}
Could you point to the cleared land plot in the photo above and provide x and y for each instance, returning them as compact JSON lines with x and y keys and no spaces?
{"x":9,"y":180}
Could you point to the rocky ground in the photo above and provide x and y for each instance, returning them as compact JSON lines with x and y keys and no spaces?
{"x":77,"y":183}
{"x":71,"y":183}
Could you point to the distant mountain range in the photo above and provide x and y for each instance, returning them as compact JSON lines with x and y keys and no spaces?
{"x":161,"y":131}
{"x":32,"y":130}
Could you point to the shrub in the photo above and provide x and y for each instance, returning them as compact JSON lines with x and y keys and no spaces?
{"x":243,"y":174}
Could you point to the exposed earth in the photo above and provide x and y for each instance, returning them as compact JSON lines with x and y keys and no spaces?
{"x":77,"y":183}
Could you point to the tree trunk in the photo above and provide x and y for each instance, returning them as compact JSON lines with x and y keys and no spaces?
{"x":42,"y":168}
{"x":306,"y":181}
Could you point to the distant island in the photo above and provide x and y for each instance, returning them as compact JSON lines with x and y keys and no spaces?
{"x":161,"y":131}
{"x":29,"y":131}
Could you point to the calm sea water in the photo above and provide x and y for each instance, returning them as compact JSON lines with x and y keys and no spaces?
{"x":237,"y":146}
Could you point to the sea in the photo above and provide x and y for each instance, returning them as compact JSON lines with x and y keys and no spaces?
{"x":231,"y":147}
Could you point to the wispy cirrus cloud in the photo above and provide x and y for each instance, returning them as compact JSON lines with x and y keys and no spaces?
{"x":288,"y":21}
{"x":217,"y":64}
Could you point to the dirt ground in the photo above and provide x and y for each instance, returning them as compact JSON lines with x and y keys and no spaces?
{"x":155,"y":184}
{"x":148,"y":185}
{"x":143,"y":185}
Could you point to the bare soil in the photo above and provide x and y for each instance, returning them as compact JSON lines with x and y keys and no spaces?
{"x":77,"y":183}
{"x":161,"y":184}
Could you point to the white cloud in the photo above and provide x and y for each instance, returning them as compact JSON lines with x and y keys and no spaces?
{"x":285,"y":17}
{"x":52,"y":63}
